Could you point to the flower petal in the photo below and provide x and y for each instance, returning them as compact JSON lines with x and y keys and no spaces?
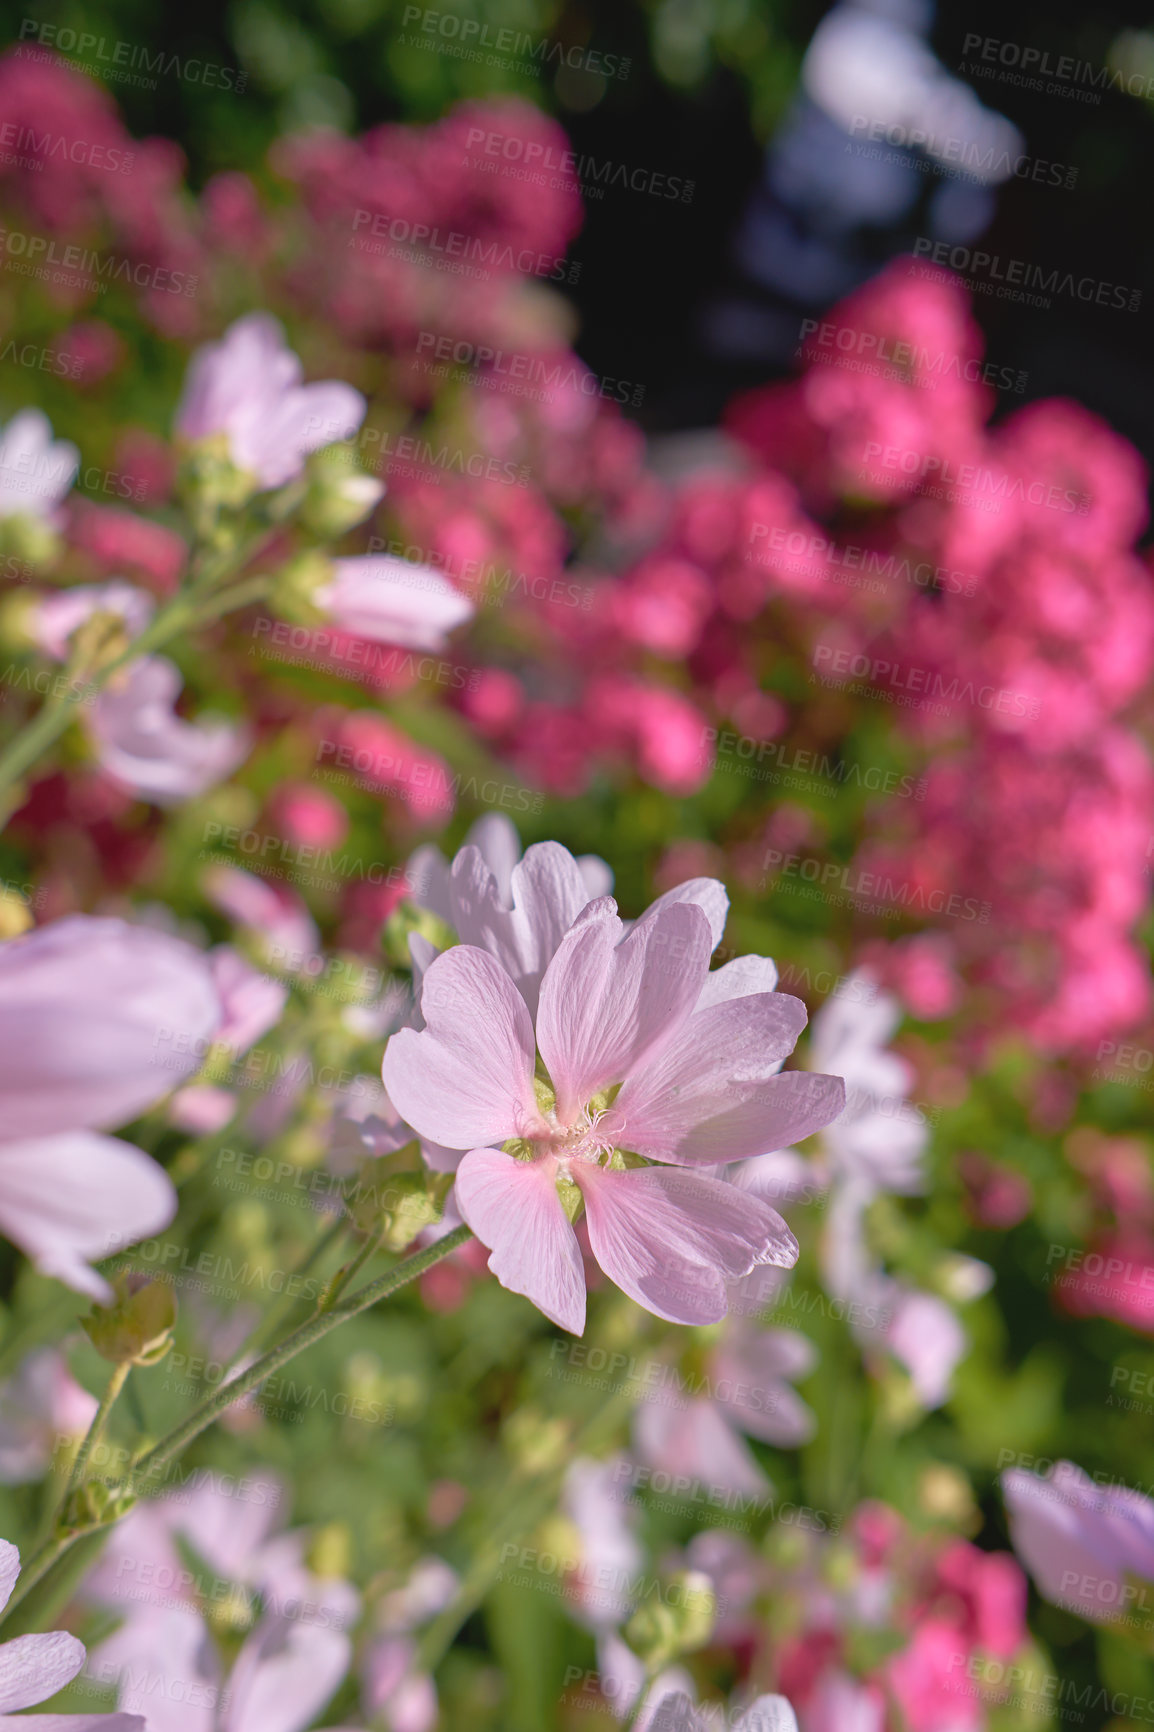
{"x":9,"y":1570}
{"x":671,"y":1239}
{"x":78,"y":1723}
{"x":695,"y":1442}
{"x":708,"y":894}
{"x":73,"y":1199}
{"x":284,"y":1675}
{"x":514,"y":1209}
{"x":610,"y":1002}
{"x":741,"y":978}
{"x":547,"y":893}
{"x":712,"y":1095}
{"x":98,"y":1019}
{"x":32,"y":1668}
{"x":467,"y":1078}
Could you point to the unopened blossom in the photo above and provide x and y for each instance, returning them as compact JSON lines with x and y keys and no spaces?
{"x":41,"y":1408}
{"x":391,"y":601}
{"x":98,"y":1020}
{"x":36,"y":471}
{"x":1081,"y":1541}
{"x":248,"y":387}
{"x":33,"y":1668}
{"x":145,"y":746}
{"x":647,"y":1055}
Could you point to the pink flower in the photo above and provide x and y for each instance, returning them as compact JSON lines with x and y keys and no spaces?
{"x":645,"y":1049}
{"x":676,"y":1713}
{"x":146,"y":747}
{"x":32,"y":1668}
{"x":746,"y":1388}
{"x":98,"y":1019}
{"x":271,"y":912}
{"x":927,"y":1339}
{"x":839,"y":1704}
{"x":41,"y":1407}
{"x":59,"y":613}
{"x":248,"y":387}
{"x":308,"y":816}
{"x":1080,"y":1541}
{"x":929,"y":1680}
{"x":516,"y":909}
{"x":391,"y":601}
{"x":35,"y":471}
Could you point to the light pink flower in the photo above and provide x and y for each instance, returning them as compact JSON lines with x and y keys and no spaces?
{"x":145,"y":746}
{"x":35,"y":471}
{"x":39,"y":1408}
{"x":248,"y":387}
{"x":695,"y":1057}
{"x":1080,"y":1540}
{"x":767,"y":1714}
{"x":32,"y":1668}
{"x":597,"y":1589}
{"x":60,"y":612}
{"x":393,"y":1690}
{"x":391,"y":601}
{"x":292,"y":1660}
{"x":840,"y":1704}
{"x":927,"y":1339}
{"x":271,"y":912}
{"x":746,"y":1388}
{"x":98,"y":1020}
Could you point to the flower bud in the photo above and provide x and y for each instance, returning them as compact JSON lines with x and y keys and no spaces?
{"x":137,"y":1328}
{"x":29,"y":538}
{"x":294,"y":589}
{"x":398,"y":1197}
{"x":15,"y":914}
{"x":209,"y":480}
{"x":338,"y":497}
{"x":680,"y":1622}
{"x":408,"y":917}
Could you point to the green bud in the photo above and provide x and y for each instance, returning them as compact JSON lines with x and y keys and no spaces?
{"x":136,"y":1329}
{"x":397,"y":1196}
{"x":330,"y":1554}
{"x":30,"y":539}
{"x":209,"y":479}
{"x":338,"y":496}
{"x":95,"y":1505}
{"x":295,"y":588}
{"x":680,"y":1622}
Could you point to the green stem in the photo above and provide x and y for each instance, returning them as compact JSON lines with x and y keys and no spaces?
{"x":95,"y":1431}
{"x":343,"y":1276}
{"x":176,"y":1440}
{"x":297,"y":1342}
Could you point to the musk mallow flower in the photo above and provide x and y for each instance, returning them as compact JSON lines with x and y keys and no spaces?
{"x":99,"y":1019}
{"x":42,"y":1408}
{"x":767,"y":1714}
{"x":36,"y":471}
{"x":145,"y":746}
{"x":32,"y":1668}
{"x":391,"y":601}
{"x":650,"y":1067}
{"x":1086,"y":1545}
{"x":248,"y":388}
